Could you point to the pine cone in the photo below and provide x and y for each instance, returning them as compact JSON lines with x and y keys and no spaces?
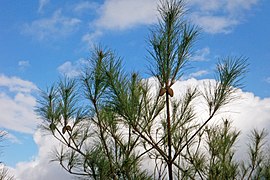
{"x":170,"y":92}
{"x":162,"y":91}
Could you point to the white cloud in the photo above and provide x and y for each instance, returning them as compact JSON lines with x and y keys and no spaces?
{"x":85,"y":6}
{"x":252,"y":112}
{"x":40,"y":168}
{"x":68,"y":69}
{"x":90,"y":38}
{"x":71,"y":69}
{"x":17,"y":113}
{"x":233,"y":5}
{"x":215,"y":16}
{"x":13,"y":139}
{"x":223,"y":5}
{"x":15,"y":84}
{"x":201,"y":55}
{"x":10,"y":137}
{"x":42,"y":4}
{"x":53,"y":27}
{"x":17,"y":104}
{"x":211,"y":5}
{"x":220,"y":16}
{"x":214,"y":24}
{"x":267,"y":80}
{"x":23,"y":64}
{"x":198,"y":74}
{"x":121,"y":15}
{"x":124,"y":14}
{"x":246,"y":113}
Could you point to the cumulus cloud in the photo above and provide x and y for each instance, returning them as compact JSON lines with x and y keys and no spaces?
{"x":124,"y":14}
{"x":15,"y":84}
{"x":71,"y":69}
{"x":247,"y":112}
{"x":41,"y":167}
{"x":52,"y":27}
{"x":214,"y":24}
{"x":16,"y":104}
{"x":255,"y":112}
{"x":215,"y":16}
{"x":220,"y":16}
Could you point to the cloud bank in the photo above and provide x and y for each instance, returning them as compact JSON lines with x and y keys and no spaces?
{"x":220,"y":16}
{"x":125,"y":14}
{"x":41,"y":167}
{"x":16,"y":104}
{"x":215,"y":16}
{"x":55,"y":26}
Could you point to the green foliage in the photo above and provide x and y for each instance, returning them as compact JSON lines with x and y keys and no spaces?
{"x":94,"y":145}
{"x":171,"y":42}
{"x":110,"y":121}
{"x":221,"y":141}
{"x":257,"y":167}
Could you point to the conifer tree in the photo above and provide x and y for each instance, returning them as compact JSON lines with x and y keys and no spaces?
{"x":109,"y":121}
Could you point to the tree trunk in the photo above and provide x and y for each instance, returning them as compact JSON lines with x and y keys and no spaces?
{"x":169,"y":162}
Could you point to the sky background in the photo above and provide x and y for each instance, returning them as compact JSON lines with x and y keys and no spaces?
{"x":40,"y":41}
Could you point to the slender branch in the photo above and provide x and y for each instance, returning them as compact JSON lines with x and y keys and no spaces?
{"x":103,"y":138}
{"x":192,"y":137}
{"x":74,"y":173}
{"x":169,"y":162}
{"x":155,"y":145}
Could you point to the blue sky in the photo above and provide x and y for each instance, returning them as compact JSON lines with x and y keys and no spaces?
{"x":42,"y":40}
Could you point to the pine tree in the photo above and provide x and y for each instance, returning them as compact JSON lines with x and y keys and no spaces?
{"x":109,"y":121}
